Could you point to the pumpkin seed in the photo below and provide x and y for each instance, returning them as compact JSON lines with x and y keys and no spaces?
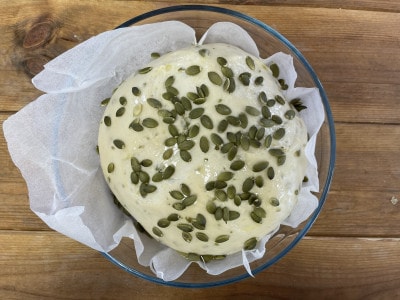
{"x":187,"y":236}
{"x":234,"y":121}
{"x":199,"y":101}
{"x":283,"y":84}
{"x":237,"y":165}
{"x":135,"y":91}
{"x":231,"y":191}
{"x":180,"y":109}
{"x":216,"y":139}
{"x":169,"y":81}
{"x":185,"y":227}
{"x":271,"y":102}
{"x":244,"y":121}
{"x":290,"y":114}
{"x":221,"y":195}
{"x":134,"y":178}
{"x":192,"y":96}
{"x":266,"y":113}
{"x":274,"y":201}
{"x":173,"y":130}
{"x":173,"y":217}
{"x":255,"y":217}
{"x":227,"y":72}
{"x":260,"y":166}
{"x":185,"y":155}
{"x":155,"y":55}
{"x":255,"y":143}
{"x":163,"y":223}
{"x":222,"y":126}
{"x":259,"y":211}
{"x":259,"y":181}
{"x":244,"y":78}
{"x":250,"y":244}
{"x":225,"y":176}
{"x":262,"y":97}
{"x":245,"y":196}
{"x":144,"y":177}
{"x":252,"y":132}
{"x":268,"y":141}
{"x":280,"y":99}
{"x":226,"y":84}
{"x":107,"y":121}
{"x":245,"y":142}
{"x":222,"y":238}
{"x":225,"y":214}
{"x":204,"y":90}
{"x":201,"y":219}
{"x":232,"y":86}
{"x":178,"y":206}
{"x":201,"y":236}
{"x":145,"y":70}
{"x":280,"y":133}
{"x":237,"y":200}
{"x":219,"y":184}
{"x":149,"y":123}
{"x":196,"y":113}
{"x":157,"y":231}
{"x":123,"y":101}
{"x":206,"y":121}
{"x":277,"y":119}
{"x":193,"y":70}
{"x":105,"y":102}
{"x":233,"y":215}
{"x":186,"y":145}
{"x":110,"y":167}
{"x":135,"y":164}
{"x":226,"y":147}
{"x":187,"y":105}
{"x":176,"y":194}
{"x":252,"y":111}
{"x":221,"y":61}
{"x":203,"y":52}
{"x":250,"y":63}
{"x":260,"y":133}
{"x":168,"y":172}
{"x":204,"y":144}
{"x":248,"y":184}
{"x":259,"y":80}
{"x":218,"y":213}
{"x":266,"y":122}
{"x":281,"y":160}
{"x":276,"y":152}
{"x":275,"y":70}
{"x":223,"y":109}
{"x":189,"y":200}
{"x":120,"y":112}
{"x":157,"y":177}
{"x":210,"y":185}
{"x":169,"y":142}
{"x":211,"y":207}
{"x":149,"y":188}
{"x":232,"y":153}
{"x":172,"y":90}
{"x":154,"y":102}
{"x":185,"y":189}
{"x":271,"y":173}
{"x":215,"y":78}
{"x":146,"y":162}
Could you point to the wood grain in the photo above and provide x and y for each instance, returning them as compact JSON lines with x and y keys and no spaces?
{"x":353,"y":249}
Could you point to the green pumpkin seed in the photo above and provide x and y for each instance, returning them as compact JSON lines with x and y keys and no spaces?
{"x":275,"y":70}
{"x":225,"y":214}
{"x":120,"y":112}
{"x":199,"y":101}
{"x":218,"y":213}
{"x":204,"y":90}
{"x":255,"y":143}
{"x":157,"y":177}
{"x":221,"y":195}
{"x":237,"y":200}
{"x":266,"y":113}
{"x":227,"y":72}
{"x":185,"y":227}
{"x":215,"y":78}
{"x":210,"y":185}
{"x":193,"y":70}
{"x":234,"y":121}
{"x":255,"y":217}
{"x":145,"y":70}
{"x":169,"y":142}
{"x":231,"y":191}
{"x":186,"y":145}
{"x":168,"y":96}
{"x":168,"y":172}
{"x":123,"y":101}
{"x":105,"y":102}
{"x":222,"y":238}
{"x":216,"y":139}
{"x":260,"y":166}
{"x":201,"y":236}
{"x":259,"y":181}
{"x":163,"y":223}
{"x":201,"y":219}
{"x":211,"y":207}
{"x":146,"y":162}
{"x":219,"y":184}
{"x":271,"y":102}
{"x":268,"y":141}
{"x":134,"y":178}
{"x":248,"y":184}
{"x":232,"y":86}
{"x":222,"y":126}
{"x":252,"y":111}
{"x":173,"y":131}
{"x":196,"y":113}
{"x":226,"y":84}
{"x":259,"y":211}
{"x":233,"y":215}
{"x":149,"y":123}
{"x":280,"y":99}
{"x":250,"y":244}
{"x":244,"y":78}
{"x":252,"y":132}
{"x":180,"y":109}
{"x":226,"y":147}
{"x":232,"y":153}
{"x":259,"y":80}
{"x":178,"y":206}
{"x":260,"y":133}
{"x":245,"y":196}
{"x":135,"y":91}
{"x":185,"y":189}
{"x":107,"y":121}
{"x":157,"y":231}
{"x":176,"y":194}
{"x":144,"y":177}
{"x":163,"y":112}
{"x":237,"y":165}
{"x":192,"y":96}
{"x":169,"y":81}
{"x":277,"y":119}
{"x":173,"y":217}
{"x":276,"y":152}
{"x":221,"y":61}
{"x":225,"y":176}
{"x":250,"y":63}
{"x":245,"y":142}
{"x":262,"y":97}
{"x":274,"y":201}
{"x":203,"y":52}
{"x":135,"y":164}
{"x":223,"y":109}
{"x":280,"y":133}
{"x":244,"y":121}
{"x":155,"y":55}
{"x":271,"y":173}
{"x":189,"y":200}
{"x":172,"y":90}
{"x":204,"y":144}
{"x":110,"y":167}
{"x":206,"y":121}
{"x":193,"y":131}
{"x":154,"y":103}
{"x":185,"y":155}
{"x":181,"y":138}
{"x":187,"y":237}
{"x":281,"y":160}
{"x":290,"y":114}
{"x":266,"y":122}
{"x":283,"y":84}
{"x":187,"y":105}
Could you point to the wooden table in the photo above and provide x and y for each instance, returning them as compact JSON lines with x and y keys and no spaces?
{"x":352,"y":251}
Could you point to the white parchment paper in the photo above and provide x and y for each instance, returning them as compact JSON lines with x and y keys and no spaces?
{"x":53,"y":139}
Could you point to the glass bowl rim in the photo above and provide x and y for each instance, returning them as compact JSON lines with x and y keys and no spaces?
{"x":329,"y":119}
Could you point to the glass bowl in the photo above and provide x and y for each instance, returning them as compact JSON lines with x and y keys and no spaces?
{"x":269,"y":41}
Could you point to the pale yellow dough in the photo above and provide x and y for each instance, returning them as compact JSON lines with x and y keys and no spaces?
{"x":149,"y":208}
